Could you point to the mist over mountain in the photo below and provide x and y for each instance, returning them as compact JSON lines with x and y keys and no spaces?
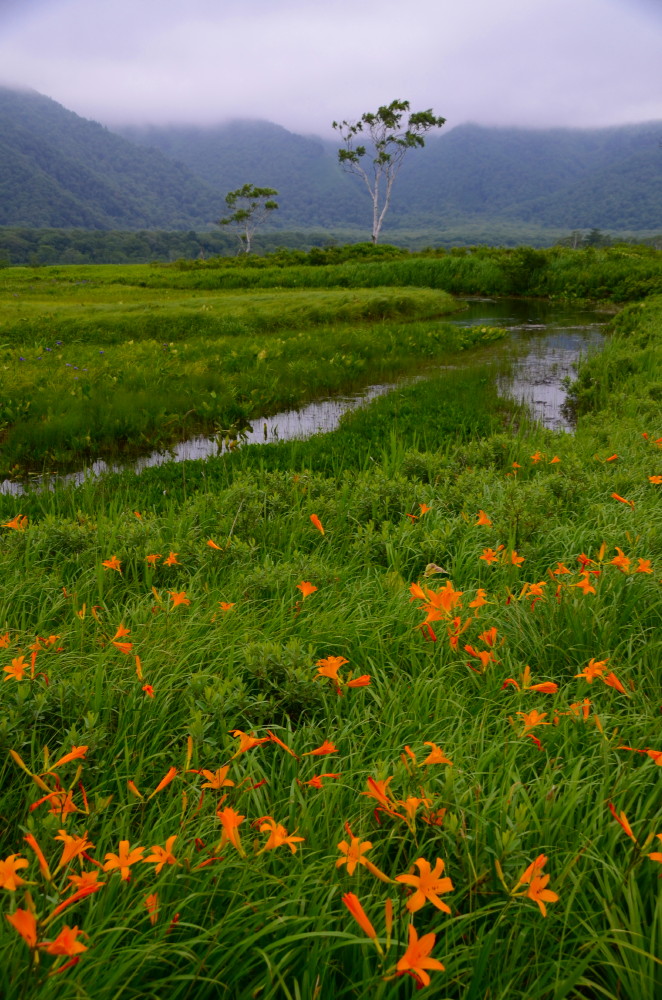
{"x":60,"y":170}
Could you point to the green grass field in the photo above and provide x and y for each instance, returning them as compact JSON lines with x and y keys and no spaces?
{"x":329,"y":717}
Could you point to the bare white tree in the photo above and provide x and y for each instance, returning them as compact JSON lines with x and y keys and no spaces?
{"x":389,"y":140}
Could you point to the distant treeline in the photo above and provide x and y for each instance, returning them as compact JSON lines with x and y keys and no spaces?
{"x":30,"y":247}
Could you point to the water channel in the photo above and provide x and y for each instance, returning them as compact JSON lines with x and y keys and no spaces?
{"x":544,"y":342}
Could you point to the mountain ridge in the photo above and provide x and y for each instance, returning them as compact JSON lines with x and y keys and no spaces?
{"x":60,"y":170}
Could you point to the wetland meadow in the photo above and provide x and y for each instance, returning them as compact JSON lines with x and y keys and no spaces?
{"x":342,"y":714}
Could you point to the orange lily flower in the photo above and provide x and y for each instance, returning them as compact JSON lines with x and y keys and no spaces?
{"x":533,"y":719}
{"x":170,"y":774}
{"x":321,"y":751}
{"x":213,"y":545}
{"x":161,"y":856}
{"x":172,"y":559}
{"x":515,"y":559}
{"x":16,"y":669}
{"x":18,"y":523}
{"x":630,"y":503}
{"x":8,"y":869}
{"x":123,"y":860}
{"x":25,"y":922}
{"x":65,"y":943}
{"x":594,"y":669}
{"x":538,"y":892}
{"x":73,"y":847}
{"x":560,"y":570}
{"x":178,"y":597}
{"x":436,"y":756}
{"x":416,"y":959}
{"x":30,"y":839}
{"x":585,"y":584}
{"x":316,"y":781}
{"x":329,"y":667}
{"x":317,"y":523}
{"x":657,"y":855}
{"x":428,"y":884}
{"x":621,"y":561}
{"x":656,"y":480}
{"x":479,"y":599}
{"x":230,"y":821}
{"x":644,"y":566}
{"x":278,"y":835}
{"x":247,"y":742}
{"x":354,"y":855}
{"x":622,"y":820}
{"x":226,"y":605}
{"x":217,"y":779}
{"x":153,"y":558}
{"x":611,"y":680}
{"x":152,"y":907}
{"x":306,"y":588}
{"x":483,"y":519}
{"x":112,"y":563}
{"x":353,"y":905}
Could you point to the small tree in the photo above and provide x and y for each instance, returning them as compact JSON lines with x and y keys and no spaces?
{"x":250,"y":207}
{"x":390,"y":138}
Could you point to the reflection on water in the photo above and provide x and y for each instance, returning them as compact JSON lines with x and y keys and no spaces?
{"x":544,"y":343}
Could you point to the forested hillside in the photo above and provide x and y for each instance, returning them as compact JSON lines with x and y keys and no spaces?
{"x":60,"y":170}
{"x":471,"y":183}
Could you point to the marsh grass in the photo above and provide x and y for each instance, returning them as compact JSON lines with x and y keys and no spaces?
{"x":273,"y":924}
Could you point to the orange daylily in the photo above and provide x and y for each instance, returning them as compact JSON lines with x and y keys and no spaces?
{"x":123,"y":860}
{"x":179,"y":597}
{"x":643,"y":566}
{"x":306,"y":588}
{"x":172,"y":559}
{"x":230,"y":821}
{"x":73,"y":847}
{"x":152,"y":907}
{"x":353,"y":905}
{"x":16,"y":669}
{"x":246,"y":741}
{"x":630,"y":503}
{"x":112,"y":563}
{"x":595,"y":668}
{"x":18,"y":523}
{"x":317,"y":523}
{"x":329,"y":667}
{"x":212,"y":545}
{"x":622,"y":820}
{"x":621,"y":561}
{"x":483,"y":519}
{"x":428,"y":884}
{"x":25,"y":923}
{"x":354,"y":855}
{"x":539,"y":893}
{"x":75,"y":754}
{"x":326,"y":748}
{"x":416,"y":959}
{"x":316,"y":781}
{"x":65,"y":943}
{"x":533,"y":719}
{"x":9,"y":879}
{"x":436,"y":756}
{"x":217,"y":779}
{"x":170,"y":774}
{"x":278,"y":835}
{"x":161,"y":856}
{"x":153,"y":558}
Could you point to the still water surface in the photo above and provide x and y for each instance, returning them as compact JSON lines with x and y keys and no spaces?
{"x":544,"y":342}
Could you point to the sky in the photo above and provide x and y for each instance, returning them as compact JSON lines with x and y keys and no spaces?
{"x":305,"y":63}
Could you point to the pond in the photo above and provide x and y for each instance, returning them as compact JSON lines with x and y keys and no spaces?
{"x":544,"y":342}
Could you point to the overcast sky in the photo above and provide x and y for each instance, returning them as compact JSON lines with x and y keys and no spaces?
{"x":303,"y":63}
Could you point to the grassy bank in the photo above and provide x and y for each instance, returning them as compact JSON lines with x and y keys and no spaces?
{"x":432,"y":741}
